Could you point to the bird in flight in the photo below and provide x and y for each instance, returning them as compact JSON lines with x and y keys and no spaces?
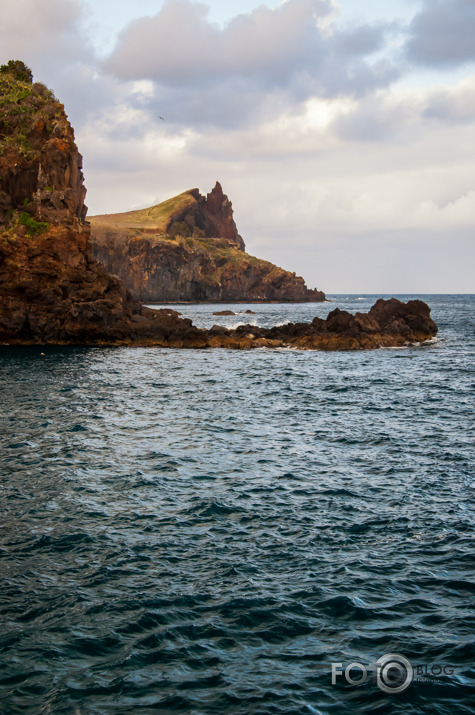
{"x":162,"y":118}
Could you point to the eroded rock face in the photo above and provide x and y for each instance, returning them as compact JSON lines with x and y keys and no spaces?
{"x":40,"y":166}
{"x":51,"y":289}
{"x":161,"y":270}
{"x":218,"y":212}
{"x":188,"y":249}
{"x":206,"y":217}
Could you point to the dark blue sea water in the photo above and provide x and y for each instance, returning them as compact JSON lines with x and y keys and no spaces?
{"x":208,"y":531}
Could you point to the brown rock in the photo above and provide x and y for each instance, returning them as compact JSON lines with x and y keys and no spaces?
{"x":388,"y":324}
{"x":188,"y":249}
{"x":53,"y":291}
{"x":218,"y":212}
{"x":159,"y":269}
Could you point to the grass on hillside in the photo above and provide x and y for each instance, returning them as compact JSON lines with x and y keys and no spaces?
{"x":156,"y":218}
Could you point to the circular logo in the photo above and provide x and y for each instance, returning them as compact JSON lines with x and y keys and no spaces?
{"x":394,"y":673}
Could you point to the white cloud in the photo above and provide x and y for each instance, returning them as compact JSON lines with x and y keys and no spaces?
{"x":180,"y":46}
{"x":223,"y":76}
{"x":452,"y":105}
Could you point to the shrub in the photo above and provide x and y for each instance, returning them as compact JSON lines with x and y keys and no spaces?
{"x":18,"y":69}
{"x":180,"y":228}
{"x":32,"y":227}
{"x":41,"y":90}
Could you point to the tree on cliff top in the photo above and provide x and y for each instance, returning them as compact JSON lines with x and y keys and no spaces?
{"x":18,"y":69}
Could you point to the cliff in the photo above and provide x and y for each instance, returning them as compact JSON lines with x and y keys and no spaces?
{"x":188,"y":249}
{"x":51,"y":288}
{"x":52,"y":291}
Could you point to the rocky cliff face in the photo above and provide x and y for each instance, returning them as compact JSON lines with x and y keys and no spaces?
{"x":53,"y":292}
{"x":51,"y":288}
{"x":218,"y":217}
{"x":188,"y":249}
{"x":162,"y":270}
{"x":41,"y":168}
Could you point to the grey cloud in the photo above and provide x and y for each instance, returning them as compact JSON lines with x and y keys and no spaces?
{"x":374,"y":121}
{"x":206,"y":74}
{"x":51,"y":37}
{"x":443,"y":34}
{"x":236,"y":102}
{"x":180,"y":46}
{"x":359,"y":77}
{"x":226,"y":104}
{"x":453,"y":106}
{"x":362,"y":40}
{"x":384,"y":119}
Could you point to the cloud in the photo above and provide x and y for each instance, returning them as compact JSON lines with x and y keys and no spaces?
{"x":362,"y":40}
{"x":44,"y":33}
{"x":392,"y":117}
{"x":179,"y":45}
{"x":51,"y":37}
{"x":442,"y":34}
{"x":452,"y":105}
{"x":256,"y":64}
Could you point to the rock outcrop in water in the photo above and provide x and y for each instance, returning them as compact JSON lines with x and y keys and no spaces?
{"x":188,"y":249}
{"x":389,"y":323}
{"x":53,"y":292}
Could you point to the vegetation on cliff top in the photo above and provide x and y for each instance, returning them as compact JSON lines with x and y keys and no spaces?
{"x":18,"y":70}
{"x":27,"y":113}
{"x":156,"y":218}
{"x":37,"y":151}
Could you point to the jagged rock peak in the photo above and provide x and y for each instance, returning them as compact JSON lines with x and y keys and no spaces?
{"x":188,"y":215}
{"x":218,"y":210}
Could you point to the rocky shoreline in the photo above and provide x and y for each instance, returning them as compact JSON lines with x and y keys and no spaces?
{"x":389,"y":323}
{"x":53,"y":292}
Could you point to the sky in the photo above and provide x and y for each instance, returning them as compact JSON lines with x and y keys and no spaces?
{"x":342,"y":131}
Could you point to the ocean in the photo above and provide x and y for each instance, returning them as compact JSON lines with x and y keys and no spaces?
{"x":213,"y":531}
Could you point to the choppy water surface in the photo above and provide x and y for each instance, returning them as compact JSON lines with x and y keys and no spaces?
{"x":207,"y":531}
